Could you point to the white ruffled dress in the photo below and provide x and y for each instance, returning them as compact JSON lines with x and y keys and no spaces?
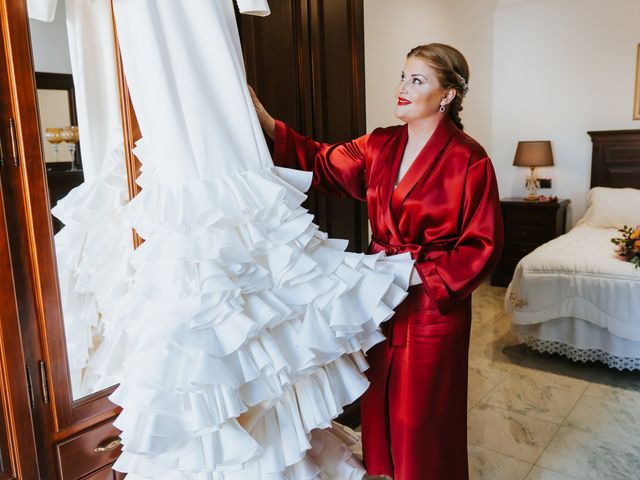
{"x":244,"y":324}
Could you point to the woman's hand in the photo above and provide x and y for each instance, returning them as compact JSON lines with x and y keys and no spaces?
{"x":267,"y":122}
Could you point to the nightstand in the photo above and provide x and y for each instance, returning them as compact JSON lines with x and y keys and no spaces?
{"x":527,"y":225}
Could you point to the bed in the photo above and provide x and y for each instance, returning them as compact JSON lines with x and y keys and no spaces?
{"x":572,"y":295}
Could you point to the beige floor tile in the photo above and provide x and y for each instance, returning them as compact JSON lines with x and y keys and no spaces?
{"x":509,"y":433}
{"x":488,"y":356}
{"x":587,"y":456}
{"x":522,"y":393}
{"x":545,"y":377}
{"x":499,"y":336}
{"x":607,"y":419}
{"x":489,"y":465}
{"x":481,"y":381}
{"x":539,"y":473}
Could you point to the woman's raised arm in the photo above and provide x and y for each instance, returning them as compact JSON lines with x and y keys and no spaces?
{"x":338,"y":169}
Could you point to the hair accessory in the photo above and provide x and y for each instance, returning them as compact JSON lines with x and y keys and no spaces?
{"x":463,"y":84}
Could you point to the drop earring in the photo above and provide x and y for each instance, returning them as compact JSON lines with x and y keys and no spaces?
{"x":441,"y":109}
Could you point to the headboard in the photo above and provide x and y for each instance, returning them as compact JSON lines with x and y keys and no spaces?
{"x":615,"y":161}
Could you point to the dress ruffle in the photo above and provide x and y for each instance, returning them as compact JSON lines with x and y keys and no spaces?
{"x":244,"y":328}
{"x":92,"y":252}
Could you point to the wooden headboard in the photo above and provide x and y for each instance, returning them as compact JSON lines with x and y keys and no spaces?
{"x":615,"y":161}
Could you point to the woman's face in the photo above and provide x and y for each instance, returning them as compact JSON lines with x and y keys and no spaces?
{"x":419,"y":93}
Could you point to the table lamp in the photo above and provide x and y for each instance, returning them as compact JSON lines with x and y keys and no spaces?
{"x":533,"y":154}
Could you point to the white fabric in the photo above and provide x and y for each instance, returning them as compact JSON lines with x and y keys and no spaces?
{"x":191,"y":79}
{"x":92,"y":249}
{"x":244,"y":325}
{"x":254,"y":7}
{"x":581,"y":341}
{"x":578,"y":275}
{"x":93,"y":63}
{"x":43,"y":10}
{"x":612,"y":208}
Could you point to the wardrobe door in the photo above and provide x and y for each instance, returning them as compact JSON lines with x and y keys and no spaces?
{"x":73,"y":432}
{"x":17,"y":398}
{"x":17,"y":443}
{"x":306,"y":63}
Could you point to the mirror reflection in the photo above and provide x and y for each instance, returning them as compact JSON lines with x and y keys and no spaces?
{"x":60,"y":134}
{"x":82,"y":144}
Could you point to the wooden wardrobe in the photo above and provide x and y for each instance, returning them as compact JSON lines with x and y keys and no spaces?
{"x":306,"y":63}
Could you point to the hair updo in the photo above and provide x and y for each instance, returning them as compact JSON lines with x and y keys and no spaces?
{"x":451,"y":69}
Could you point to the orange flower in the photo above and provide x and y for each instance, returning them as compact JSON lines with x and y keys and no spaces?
{"x":635,"y":235}
{"x":636,"y":245}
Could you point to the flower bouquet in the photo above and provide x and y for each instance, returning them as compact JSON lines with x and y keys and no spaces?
{"x":628,"y":246}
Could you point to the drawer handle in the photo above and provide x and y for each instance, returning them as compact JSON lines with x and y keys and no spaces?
{"x":109,"y":444}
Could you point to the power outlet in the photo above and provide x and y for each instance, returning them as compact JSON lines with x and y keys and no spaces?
{"x":545,"y":182}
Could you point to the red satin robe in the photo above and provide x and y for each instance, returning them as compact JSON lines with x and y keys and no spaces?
{"x":446,"y":212}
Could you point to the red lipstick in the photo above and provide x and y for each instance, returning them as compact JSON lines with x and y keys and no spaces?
{"x":403,"y":101}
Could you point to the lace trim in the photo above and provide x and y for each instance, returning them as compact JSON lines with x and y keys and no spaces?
{"x":580,"y":354}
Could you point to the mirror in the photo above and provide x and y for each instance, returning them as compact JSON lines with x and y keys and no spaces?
{"x":59,"y":131}
{"x":83,"y":149}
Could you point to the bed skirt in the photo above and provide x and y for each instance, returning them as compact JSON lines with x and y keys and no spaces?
{"x":581,"y":341}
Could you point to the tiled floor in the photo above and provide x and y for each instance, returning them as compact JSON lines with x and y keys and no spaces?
{"x":541,"y":417}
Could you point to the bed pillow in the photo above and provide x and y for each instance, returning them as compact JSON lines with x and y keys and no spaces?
{"x":612,"y":207}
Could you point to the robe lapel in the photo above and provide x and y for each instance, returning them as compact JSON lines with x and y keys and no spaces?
{"x":422,"y":165}
{"x":393,"y":151}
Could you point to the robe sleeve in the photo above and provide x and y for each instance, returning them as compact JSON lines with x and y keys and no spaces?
{"x":259,"y":8}
{"x":452,"y":275}
{"x":338,"y":169}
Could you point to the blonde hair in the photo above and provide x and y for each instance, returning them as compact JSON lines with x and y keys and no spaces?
{"x":452,"y":70}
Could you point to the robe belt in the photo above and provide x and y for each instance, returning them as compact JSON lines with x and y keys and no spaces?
{"x":397,"y":328}
{"x":418,"y":252}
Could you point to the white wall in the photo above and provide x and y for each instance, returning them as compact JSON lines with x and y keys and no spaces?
{"x":394,"y":28}
{"x":50,"y":44}
{"x":540,"y":69}
{"x":561,"y":68}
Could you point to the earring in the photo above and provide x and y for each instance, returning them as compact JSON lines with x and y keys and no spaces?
{"x":441,"y":109}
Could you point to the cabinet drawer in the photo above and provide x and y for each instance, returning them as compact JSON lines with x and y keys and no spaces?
{"x":77,"y":456}
{"x":104,"y":473}
{"x":527,"y":233}
{"x":516,"y":216}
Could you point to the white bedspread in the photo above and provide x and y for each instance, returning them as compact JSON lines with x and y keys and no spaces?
{"x":577,"y":275}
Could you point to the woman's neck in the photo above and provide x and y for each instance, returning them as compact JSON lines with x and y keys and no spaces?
{"x":421,"y":130}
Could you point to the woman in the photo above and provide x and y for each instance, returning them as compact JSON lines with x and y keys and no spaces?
{"x":430,"y":190}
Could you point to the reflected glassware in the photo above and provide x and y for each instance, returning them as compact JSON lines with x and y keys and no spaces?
{"x":54,"y":137}
{"x":71,"y":135}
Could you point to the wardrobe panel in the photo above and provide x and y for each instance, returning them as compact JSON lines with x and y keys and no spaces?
{"x":17,"y":443}
{"x":19,"y":387}
{"x":277,"y":58}
{"x":337,"y":46}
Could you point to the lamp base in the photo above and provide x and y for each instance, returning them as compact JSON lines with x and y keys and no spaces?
{"x":531,"y":198}
{"x":532,"y":186}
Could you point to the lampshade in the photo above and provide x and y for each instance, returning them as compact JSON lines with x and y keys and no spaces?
{"x":533,"y":154}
